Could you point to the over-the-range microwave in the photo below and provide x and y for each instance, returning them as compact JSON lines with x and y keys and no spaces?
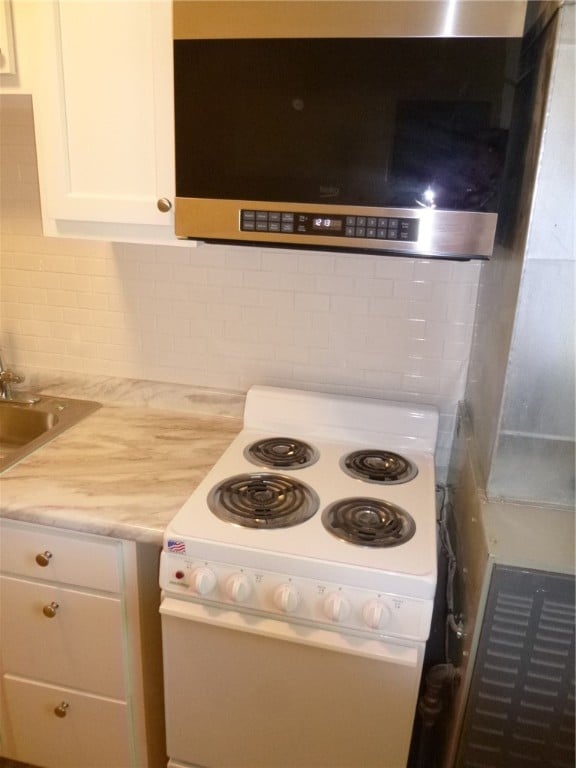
{"x":363,"y":126}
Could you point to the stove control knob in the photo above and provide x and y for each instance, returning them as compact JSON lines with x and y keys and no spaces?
{"x":376,"y":614}
{"x":238,"y":587}
{"x":286,"y":598}
{"x":337,"y":607}
{"x":203,"y":580}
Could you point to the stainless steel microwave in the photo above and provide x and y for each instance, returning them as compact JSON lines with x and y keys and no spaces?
{"x":363,"y":126}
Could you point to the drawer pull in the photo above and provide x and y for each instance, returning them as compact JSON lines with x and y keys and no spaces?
{"x":44,"y":559}
{"x":50,"y":610}
{"x":61,"y":709}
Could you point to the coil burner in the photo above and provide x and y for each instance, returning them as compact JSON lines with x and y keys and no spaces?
{"x":281,"y":452}
{"x":263,"y":500}
{"x":379,"y":467}
{"x":369,"y":522}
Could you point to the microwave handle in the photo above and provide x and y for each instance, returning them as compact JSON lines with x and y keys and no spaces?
{"x":387,"y":650}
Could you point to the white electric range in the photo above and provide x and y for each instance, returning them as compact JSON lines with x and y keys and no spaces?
{"x":316,"y":529}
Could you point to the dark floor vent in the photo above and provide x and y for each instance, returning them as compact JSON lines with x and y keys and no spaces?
{"x":520,"y":710}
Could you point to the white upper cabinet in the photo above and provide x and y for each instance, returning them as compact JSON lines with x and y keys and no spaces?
{"x":100,"y":73}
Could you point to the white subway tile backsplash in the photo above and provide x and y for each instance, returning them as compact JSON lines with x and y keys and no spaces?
{"x":466,"y":272}
{"x":388,"y":307}
{"x":261,"y":279}
{"x":350,"y":305}
{"x":225,"y":276}
{"x":313,"y":263}
{"x":97,"y":334}
{"x":191,"y":273}
{"x":434,"y":270}
{"x":311,"y":302}
{"x":422,"y":347}
{"x":420,"y":384}
{"x":426,"y":310}
{"x":353,"y":267}
{"x":393,"y":268}
{"x":130,"y":254}
{"x":239,"y":258}
{"x":281,"y":301}
{"x":455,"y":350}
{"x":335,"y":284}
{"x":280,"y":260}
{"x":413,"y":290}
{"x":14,"y":310}
{"x":374,"y":287}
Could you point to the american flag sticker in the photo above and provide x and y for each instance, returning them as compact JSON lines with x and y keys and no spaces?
{"x":176,"y":545}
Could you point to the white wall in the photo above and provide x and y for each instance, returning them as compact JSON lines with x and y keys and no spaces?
{"x":222,"y":316}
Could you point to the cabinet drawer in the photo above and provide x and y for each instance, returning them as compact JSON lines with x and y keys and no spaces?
{"x":80,"y":645}
{"x":93,"y":733}
{"x":42,"y":553}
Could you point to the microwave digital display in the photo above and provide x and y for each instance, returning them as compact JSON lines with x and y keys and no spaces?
{"x":324,"y":224}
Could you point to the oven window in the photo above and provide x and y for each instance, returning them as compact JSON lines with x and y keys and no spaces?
{"x":357,"y":122}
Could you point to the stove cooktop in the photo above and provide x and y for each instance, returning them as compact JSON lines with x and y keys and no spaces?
{"x":322,"y":509}
{"x":307,"y":547}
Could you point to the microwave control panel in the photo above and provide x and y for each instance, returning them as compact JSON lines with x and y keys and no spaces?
{"x":330,"y":224}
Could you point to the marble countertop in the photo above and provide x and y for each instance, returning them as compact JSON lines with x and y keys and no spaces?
{"x":124,"y":471}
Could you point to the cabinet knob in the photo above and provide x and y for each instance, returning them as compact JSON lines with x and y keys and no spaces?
{"x":44,"y":558}
{"x":61,"y":709}
{"x":50,"y":610}
{"x":164,"y":205}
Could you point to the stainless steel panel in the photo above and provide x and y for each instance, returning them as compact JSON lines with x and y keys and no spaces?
{"x":348,"y":18}
{"x":441,"y":233}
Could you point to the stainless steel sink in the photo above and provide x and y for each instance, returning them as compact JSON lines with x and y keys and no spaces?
{"x":26,"y":427}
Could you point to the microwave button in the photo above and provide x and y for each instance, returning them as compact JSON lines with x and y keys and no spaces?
{"x":392,"y":234}
{"x":287,"y":226}
{"x":371,"y":232}
{"x":382,"y":222}
{"x":361,"y":221}
{"x":274,"y":216}
{"x":274,"y":226}
{"x":381,"y":233}
{"x":350,"y":221}
{"x":360,"y":231}
{"x":371,"y":221}
{"x":287,"y":217}
{"x":248,"y":226}
{"x":261,"y":226}
{"x":248,"y":215}
{"x":261,"y":215}
{"x":349,"y":231}
{"x":392,"y":223}
{"x":405,"y":225}
{"x":404,"y":235}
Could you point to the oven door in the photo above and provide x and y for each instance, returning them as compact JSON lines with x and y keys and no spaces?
{"x":249,"y":692}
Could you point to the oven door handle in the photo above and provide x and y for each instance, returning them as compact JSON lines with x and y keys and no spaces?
{"x":388,"y":650}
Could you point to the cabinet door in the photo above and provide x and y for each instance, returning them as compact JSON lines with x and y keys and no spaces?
{"x":104,"y":117}
{"x":62,"y":636}
{"x":58,"y":728}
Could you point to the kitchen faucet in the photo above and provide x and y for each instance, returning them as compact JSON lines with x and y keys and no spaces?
{"x":7,"y":378}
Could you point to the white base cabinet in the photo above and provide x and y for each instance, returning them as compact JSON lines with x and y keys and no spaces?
{"x":80,"y":654}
